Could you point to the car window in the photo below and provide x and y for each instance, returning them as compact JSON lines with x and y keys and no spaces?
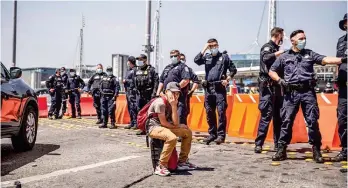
{"x":4,"y":72}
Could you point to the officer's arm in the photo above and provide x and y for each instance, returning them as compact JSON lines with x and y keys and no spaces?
{"x":90,"y":82}
{"x":160,"y":87}
{"x":117,"y":88}
{"x":156,"y":82}
{"x":267,"y":56}
{"x":185,"y":75}
{"x":276,"y":67}
{"x":49,"y":82}
{"x":333,"y":60}
{"x":231,"y":68}
{"x":199,"y":59}
{"x":82,"y":83}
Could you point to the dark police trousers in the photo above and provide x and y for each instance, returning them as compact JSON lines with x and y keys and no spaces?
{"x":108,"y":108}
{"x":308,"y":100}
{"x":270,"y":104}
{"x":96,"y":102}
{"x":64,"y":99}
{"x":143,"y":98}
{"x":56,"y":102}
{"x":74,"y":99}
{"x":132,"y":106}
{"x":342,"y":117}
{"x":182,"y":108}
{"x":216,"y":97}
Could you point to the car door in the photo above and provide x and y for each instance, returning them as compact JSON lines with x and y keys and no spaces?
{"x":10,"y":102}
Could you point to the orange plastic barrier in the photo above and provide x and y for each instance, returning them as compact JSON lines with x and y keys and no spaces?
{"x":43,"y":111}
{"x":87,"y":108}
{"x":121,"y":104}
{"x":197,"y":110}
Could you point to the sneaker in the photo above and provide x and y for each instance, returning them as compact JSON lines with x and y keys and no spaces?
{"x":99,"y":121}
{"x":209,"y":139}
{"x":50,"y":117}
{"x":162,"y":171}
{"x":79,"y":117}
{"x":220,"y":140}
{"x":258,"y":149}
{"x":186,"y":166}
{"x":340,"y":157}
{"x":103,"y":126}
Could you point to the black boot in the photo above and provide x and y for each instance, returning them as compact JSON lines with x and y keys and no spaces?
{"x":275,"y":147}
{"x":281,"y":154}
{"x":220,"y":140}
{"x":103,"y":126}
{"x":50,"y":117}
{"x":128,"y":126}
{"x":99,"y":121}
{"x":340,"y":157}
{"x":59,"y":117}
{"x":79,"y":116}
{"x":209,"y":139}
{"x":113,"y":126}
{"x":317,"y":155}
{"x":258,"y":149}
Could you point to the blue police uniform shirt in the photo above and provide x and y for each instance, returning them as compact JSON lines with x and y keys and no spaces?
{"x":297,"y":66}
{"x":75,"y":82}
{"x":177,"y":74}
{"x":215,"y":66}
{"x":129,"y":85}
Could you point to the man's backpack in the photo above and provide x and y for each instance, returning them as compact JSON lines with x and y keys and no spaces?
{"x":143,"y":116}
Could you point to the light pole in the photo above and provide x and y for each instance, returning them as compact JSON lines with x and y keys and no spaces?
{"x":14,"y":50}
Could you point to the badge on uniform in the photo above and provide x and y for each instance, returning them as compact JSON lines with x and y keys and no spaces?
{"x":306,"y":56}
{"x":96,"y":77}
{"x":266,"y":48}
{"x":186,"y":69}
{"x":220,"y":59}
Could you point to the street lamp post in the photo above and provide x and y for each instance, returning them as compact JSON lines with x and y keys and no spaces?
{"x":14,"y":34}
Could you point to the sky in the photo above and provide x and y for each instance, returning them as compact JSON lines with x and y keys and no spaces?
{"x":48,"y":32}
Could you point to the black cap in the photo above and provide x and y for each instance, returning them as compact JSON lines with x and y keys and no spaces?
{"x":109,"y":68}
{"x":131,"y":59}
{"x":142,"y":56}
{"x":341,"y":23}
{"x":72,"y":70}
{"x":62,"y":69}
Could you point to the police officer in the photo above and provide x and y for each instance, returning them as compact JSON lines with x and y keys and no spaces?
{"x":216,"y":80}
{"x":64,"y":94}
{"x":145,"y":80}
{"x":74,"y":85}
{"x":177,"y":72}
{"x":191,"y":89}
{"x":109,"y":88}
{"x":55,"y":85}
{"x":298,"y":83}
{"x":131,"y":93}
{"x":342,"y":91}
{"x":93,"y":88}
{"x":270,"y":101}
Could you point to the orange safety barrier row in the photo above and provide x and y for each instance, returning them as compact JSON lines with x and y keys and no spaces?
{"x":242,"y":116}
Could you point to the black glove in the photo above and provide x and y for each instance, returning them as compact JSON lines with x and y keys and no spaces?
{"x":282,"y":82}
{"x":204,"y":83}
{"x":344,"y":59}
{"x":190,"y":94}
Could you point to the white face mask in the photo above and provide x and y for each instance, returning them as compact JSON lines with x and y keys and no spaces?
{"x":72,"y":73}
{"x":214,"y":51}
{"x":140,"y":63}
{"x":99,"y":71}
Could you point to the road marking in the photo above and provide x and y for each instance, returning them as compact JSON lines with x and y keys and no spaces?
{"x":325,"y":98}
{"x":66,"y":171}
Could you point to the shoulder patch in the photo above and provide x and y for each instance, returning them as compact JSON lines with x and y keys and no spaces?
{"x":266,"y":48}
{"x":50,"y":77}
{"x":187,"y":69}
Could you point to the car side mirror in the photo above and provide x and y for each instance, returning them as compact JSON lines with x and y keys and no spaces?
{"x":15,"y":72}
{"x":4,"y":80}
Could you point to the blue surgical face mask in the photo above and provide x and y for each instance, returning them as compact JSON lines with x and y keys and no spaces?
{"x":301,"y":44}
{"x":140,"y":63}
{"x":109,"y":73}
{"x":99,"y":71}
{"x":183,"y":61}
{"x":72,"y":73}
{"x":174,"y":60}
{"x":214,"y":51}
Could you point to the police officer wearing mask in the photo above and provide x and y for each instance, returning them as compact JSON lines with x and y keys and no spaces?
{"x":131,"y":93}
{"x":298,"y":83}
{"x":271,"y":99}
{"x":109,"y":88}
{"x":194,"y":79}
{"x":177,"y":72}
{"x":342,"y":91}
{"x":93,"y":88}
{"x":216,"y":80}
{"x":55,"y":85}
{"x":64,"y":94}
{"x":74,"y":85}
{"x":145,"y":80}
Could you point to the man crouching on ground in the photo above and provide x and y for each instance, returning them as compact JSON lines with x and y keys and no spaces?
{"x":165,"y":126}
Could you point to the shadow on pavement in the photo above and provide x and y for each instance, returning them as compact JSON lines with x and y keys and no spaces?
{"x":11,"y":160}
{"x":188,"y":172}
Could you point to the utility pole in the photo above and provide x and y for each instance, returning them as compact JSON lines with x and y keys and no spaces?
{"x":14,"y":50}
{"x":81,"y":47}
{"x":148,"y":48}
{"x":156,"y":37}
{"x":272,"y":17}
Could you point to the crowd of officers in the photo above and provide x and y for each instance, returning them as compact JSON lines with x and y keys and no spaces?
{"x":286,"y":81}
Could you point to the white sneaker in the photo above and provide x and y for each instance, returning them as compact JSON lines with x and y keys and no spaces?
{"x":162,"y":171}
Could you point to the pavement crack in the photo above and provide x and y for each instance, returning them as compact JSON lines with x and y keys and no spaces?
{"x":138,"y":181}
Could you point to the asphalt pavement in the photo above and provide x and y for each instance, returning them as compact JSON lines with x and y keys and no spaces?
{"x":76,"y":153}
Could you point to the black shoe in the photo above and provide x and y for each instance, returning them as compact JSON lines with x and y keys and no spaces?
{"x":113,"y":126}
{"x":340,"y":157}
{"x":209,"y":139}
{"x":128,"y":127}
{"x":220,"y":140}
{"x":134,"y":127}
{"x":317,"y":155}
{"x":103,"y":126}
{"x":141,"y":133}
{"x":59,"y":117}
{"x":281,"y":154}
{"x":258,"y":149}
{"x":79,"y":117}
{"x":50,"y":117}
{"x":99,"y":121}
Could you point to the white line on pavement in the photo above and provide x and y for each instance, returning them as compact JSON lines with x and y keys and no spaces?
{"x":66,"y":171}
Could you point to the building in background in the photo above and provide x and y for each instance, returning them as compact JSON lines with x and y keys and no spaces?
{"x":36,"y":76}
{"x":119,"y":66}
